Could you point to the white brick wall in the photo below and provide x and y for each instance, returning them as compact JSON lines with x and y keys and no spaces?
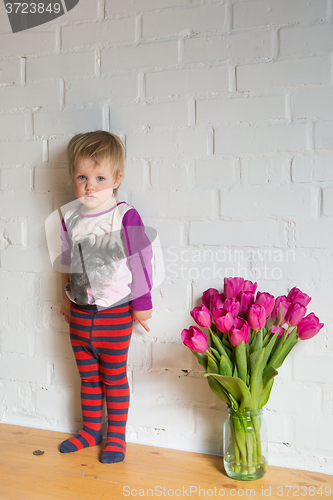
{"x":226,"y":111}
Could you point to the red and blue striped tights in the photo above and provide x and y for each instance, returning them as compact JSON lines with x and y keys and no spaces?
{"x":100,"y":341}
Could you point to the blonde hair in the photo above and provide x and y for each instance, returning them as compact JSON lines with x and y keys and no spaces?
{"x":100,"y":146}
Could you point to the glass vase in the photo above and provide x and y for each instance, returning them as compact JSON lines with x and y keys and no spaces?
{"x":245,"y":445}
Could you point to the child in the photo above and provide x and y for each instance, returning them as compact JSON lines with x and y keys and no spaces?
{"x":108,"y":258}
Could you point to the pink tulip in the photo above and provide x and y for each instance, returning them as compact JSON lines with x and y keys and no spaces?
{"x":295,"y":295}
{"x":279,"y":330}
{"x":256,"y":316}
{"x":241,"y":331}
{"x":246,"y":299}
{"x":232,"y":306}
{"x":224,"y":320}
{"x":265,"y":300}
{"x":308,"y":327}
{"x":216,"y":302}
{"x":282,"y":302}
{"x":249,"y":286}
{"x":201,"y":316}
{"x":295,"y":314}
{"x":206,"y":296}
{"x":232,"y":287}
{"x":195,"y":339}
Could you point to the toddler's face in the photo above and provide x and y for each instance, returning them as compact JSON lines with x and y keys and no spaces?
{"x":94,"y":184}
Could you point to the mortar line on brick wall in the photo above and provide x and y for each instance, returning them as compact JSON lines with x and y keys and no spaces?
{"x":329,"y":17}
{"x":106,"y":116}
{"x":232,"y":76}
{"x":181,"y":52}
{"x":58,"y":33}
{"x":142,"y":86}
{"x":316,"y":201}
{"x":138,"y":28}
{"x":275,"y":44}
{"x":23,"y":70}
{"x":61,"y":94}
{"x":191,"y":112}
{"x":97,"y":62}
{"x":310,"y":136}
{"x":45,"y":150}
{"x":288,"y":109}
{"x":28,"y":118}
{"x":228,"y":22}
{"x":100,"y":10}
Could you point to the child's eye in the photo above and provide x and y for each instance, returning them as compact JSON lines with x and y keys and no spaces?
{"x":81,"y":177}
{"x":100,"y":178}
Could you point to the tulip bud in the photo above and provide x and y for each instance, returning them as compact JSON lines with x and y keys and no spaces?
{"x":256,"y":317}
{"x":281,"y":305}
{"x":241,"y":331}
{"x":249,"y":286}
{"x":195,"y":339}
{"x":224,"y":320}
{"x":232,"y":287}
{"x":245,"y":299}
{"x":295,"y":295}
{"x":308,"y":327}
{"x":279,"y":330}
{"x":207,"y":295}
{"x":201,"y":316}
{"x":265,"y":300}
{"x":295,"y":313}
{"x":232,"y":306}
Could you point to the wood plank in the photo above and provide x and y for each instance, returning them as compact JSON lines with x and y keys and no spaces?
{"x":148,"y":471}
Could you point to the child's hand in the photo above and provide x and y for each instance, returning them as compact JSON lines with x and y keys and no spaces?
{"x":65,"y":308}
{"x":141,"y":317}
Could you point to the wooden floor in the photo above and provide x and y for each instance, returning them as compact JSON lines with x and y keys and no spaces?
{"x":147,"y":472}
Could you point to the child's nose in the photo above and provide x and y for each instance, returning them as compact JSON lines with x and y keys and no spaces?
{"x":89,"y":184}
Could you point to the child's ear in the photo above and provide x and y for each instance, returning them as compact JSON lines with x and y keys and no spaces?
{"x":118,"y":180}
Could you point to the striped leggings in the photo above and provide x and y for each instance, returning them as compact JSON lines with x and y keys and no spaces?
{"x":100,"y":341}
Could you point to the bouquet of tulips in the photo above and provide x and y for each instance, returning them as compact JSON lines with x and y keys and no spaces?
{"x":250,"y":336}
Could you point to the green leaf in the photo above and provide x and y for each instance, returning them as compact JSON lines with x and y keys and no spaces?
{"x":235,"y":387}
{"x":268,"y":374}
{"x":258,"y":341}
{"x":216,"y":353}
{"x":256,"y":383}
{"x":212,"y":366}
{"x":219,"y":391}
{"x":202,"y":358}
{"x":240,"y":355}
{"x":225,"y":368}
{"x":219,"y":346}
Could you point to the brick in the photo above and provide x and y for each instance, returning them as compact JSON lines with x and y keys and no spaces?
{"x":68,"y":121}
{"x":16,"y":179}
{"x":169,"y":231}
{"x":265,"y":170}
{"x":53,"y":402}
{"x":316,"y":234}
{"x":250,"y":138}
{"x":268,"y":13}
{"x":221,"y":48}
{"x":324,"y":135}
{"x":314,"y":167}
{"x":278,"y":201}
{"x":283,"y":73}
{"x":172,"y":387}
{"x":149,"y":55}
{"x":180,"y":203}
{"x":57,"y":150}
{"x":15,"y":153}
{"x":168,"y":356}
{"x":240,"y":109}
{"x":127,"y":118}
{"x":328,"y":201}
{"x":65,"y":373}
{"x":12,"y":126}
{"x":198,"y":19}
{"x":24,"y":369}
{"x":37,"y":42}
{"x":16,"y":397}
{"x":18,"y":341}
{"x":187,"y":81}
{"x":33,"y":95}
{"x":207,"y":171}
{"x":152,"y":144}
{"x":10,"y":71}
{"x":114,"y":31}
{"x":166,"y":325}
{"x":34,"y":205}
{"x":11,"y":233}
{"x":313,"y":368}
{"x":139,"y":355}
{"x":288,"y":398}
{"x":318,"y":434}
{"x":313,"y":103}
{"x":23,"y":260}
{"x":134,"y":176}
{"x":86,"y":10}
{"x":242,"y":233}
{"x":17,"y":285}
{"x":168,"y":176}
{"x":306,"y":40}
{"x":64,"y":65}
{"x":51,"y":178}
{"x":98,"y":90}
{"x":174,"y":294}
{"x":161,"y":416}
{"x":113,"y":7}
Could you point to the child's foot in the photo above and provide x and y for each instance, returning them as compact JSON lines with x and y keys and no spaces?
{"x":84,"y":439}
{"x":111,"y":453}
